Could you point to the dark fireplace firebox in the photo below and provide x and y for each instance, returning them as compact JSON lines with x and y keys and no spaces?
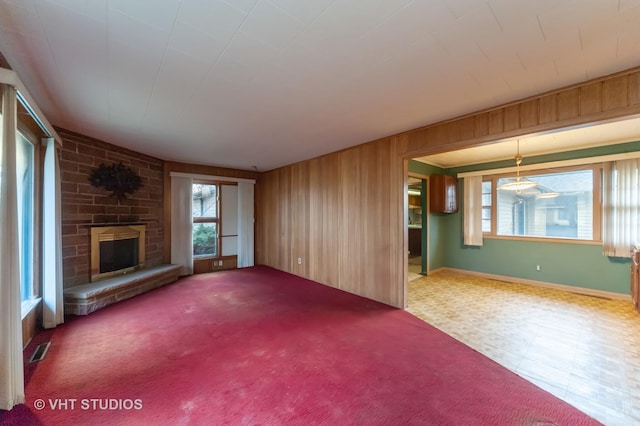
{"x":116,"y":250}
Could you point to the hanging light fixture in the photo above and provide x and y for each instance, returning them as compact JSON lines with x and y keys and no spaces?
{"x":520,"y":183}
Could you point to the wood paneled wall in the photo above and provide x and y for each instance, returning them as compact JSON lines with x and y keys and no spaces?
{"x":344,"y":214}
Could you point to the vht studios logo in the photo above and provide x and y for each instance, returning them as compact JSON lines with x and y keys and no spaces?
{"x":88,"y":404}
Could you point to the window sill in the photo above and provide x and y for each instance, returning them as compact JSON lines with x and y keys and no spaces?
{"x":205,"y":257}
{"x":29,"y":305}
{"x":545,"y":240}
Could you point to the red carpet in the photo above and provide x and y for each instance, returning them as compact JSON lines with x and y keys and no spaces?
{"x":259,"y":346}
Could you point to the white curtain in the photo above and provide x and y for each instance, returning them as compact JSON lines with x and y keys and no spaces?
{"x":621,"y":207}
{"x":52,"y":285}
{"x":11,"y":368}
{"x":181,"y":228}
{"x":472,"y":214}
{"x":245,"y":224}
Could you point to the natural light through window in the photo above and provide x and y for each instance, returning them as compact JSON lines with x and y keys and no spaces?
{"x":25,"y":193}
{"x":205,"y":219}
{"x":560,"y":206}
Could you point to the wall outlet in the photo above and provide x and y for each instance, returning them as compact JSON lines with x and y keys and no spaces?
{"x":538,"y":267}
{"x":299,"y":261}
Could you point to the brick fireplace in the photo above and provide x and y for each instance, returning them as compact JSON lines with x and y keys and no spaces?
{"x":85,"y":207}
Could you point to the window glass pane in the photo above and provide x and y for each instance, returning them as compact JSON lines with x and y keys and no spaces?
{"x":486,"y":206}
{"x":560,"y":206}
{"x":25,"y":194}
{"x":204,"y":202}
{"x":205,"y":239}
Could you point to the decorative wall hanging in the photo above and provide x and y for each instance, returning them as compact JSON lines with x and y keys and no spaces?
{"x":118,"y":179}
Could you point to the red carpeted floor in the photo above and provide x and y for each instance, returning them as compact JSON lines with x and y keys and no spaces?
{"x":259,"y":346}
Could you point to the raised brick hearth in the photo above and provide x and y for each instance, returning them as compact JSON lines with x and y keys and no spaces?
{"x":87,"y":298}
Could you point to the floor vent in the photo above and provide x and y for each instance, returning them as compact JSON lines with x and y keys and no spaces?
{"x":40,"y":352}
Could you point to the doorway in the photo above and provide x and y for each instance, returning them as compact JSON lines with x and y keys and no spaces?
{"x":417,"y":214}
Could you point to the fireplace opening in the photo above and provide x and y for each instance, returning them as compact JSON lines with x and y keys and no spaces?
{"x":118,"y":254}
{"x":116,"y":250}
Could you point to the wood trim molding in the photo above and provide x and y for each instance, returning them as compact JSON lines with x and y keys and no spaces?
{"x":603,"y":99}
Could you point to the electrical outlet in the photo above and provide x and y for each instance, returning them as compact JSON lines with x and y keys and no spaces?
{"x":299,"y":261}
{"x":538,"y":267}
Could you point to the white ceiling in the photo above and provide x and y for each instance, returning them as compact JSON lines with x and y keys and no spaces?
{"x":265,"y":83}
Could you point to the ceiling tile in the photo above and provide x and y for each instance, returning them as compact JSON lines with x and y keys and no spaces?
{"x":162,"y":15}
{"x":271,"y":25}
{"x":94,"y":9}
{"x":216,"y":18}
{"x":196,"y":43}
{"x":247,"y":52}
{"x":125,"y":30}
{"x":305,"y":11}
{"x":132,"y":73}
{"x":245,"y":6}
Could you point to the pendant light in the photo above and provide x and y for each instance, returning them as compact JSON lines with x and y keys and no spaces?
{"x":520,"y":183}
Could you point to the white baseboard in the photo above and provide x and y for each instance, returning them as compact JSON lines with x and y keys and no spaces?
{"x":571,"y":289}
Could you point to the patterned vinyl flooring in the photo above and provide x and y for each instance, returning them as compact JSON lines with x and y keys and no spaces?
{"x":582,"y":349}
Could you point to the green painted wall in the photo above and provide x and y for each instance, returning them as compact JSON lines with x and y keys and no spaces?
{"x":561,"y":263}
{"x":437,"y":226}
{"x":577,"y":265}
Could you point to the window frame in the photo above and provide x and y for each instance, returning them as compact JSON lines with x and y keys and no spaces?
{"x":208,"y":219}
{"x":596,"y":204}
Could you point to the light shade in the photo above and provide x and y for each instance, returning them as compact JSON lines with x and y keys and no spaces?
{"x":518,"y":185}
{"x":548,"y":195}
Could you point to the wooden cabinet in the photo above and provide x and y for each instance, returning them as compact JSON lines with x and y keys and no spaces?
{"x":443,"y":194}
{"x":635,"y":278}
{"x":415,"y":242}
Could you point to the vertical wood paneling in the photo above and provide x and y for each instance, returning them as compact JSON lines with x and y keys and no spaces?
{"x":325,"y":205}
{"x":634,"y":89}
{"x":299,"y":189}
{"x":591,"y":99}
{"x":481,"y":125}
{"x":467,"y":128}
{"x":286,"y":255}
{"x":615,"y":93}
{"x":496,"y":121}
{"x":547,"y":109}
{"x":529,"y":113}
{"x":568,"y":104}
{"x":511,"y":117}
{"x":345,"y":211}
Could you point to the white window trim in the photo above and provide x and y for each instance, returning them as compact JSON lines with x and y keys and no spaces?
{"x":210,"y":177}
{"x":554,"y":164}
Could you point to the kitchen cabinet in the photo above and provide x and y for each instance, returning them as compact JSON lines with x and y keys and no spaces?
{"x":443,"y":194}
{"x":415,"y":241}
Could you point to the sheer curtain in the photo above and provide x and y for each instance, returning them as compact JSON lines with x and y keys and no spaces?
{"x":52,"y":287}
{"x":472,"y":213}
{"x":245,"y":224}
{"x":181,"y":218}
{"x":11,"y":368}
{"x":621,"y":207}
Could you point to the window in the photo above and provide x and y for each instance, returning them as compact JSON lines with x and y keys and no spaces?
{"x":486,"y":206}
{"x":25,"y":196}
{"x":562,"y":205}
{"x":205,"y":219}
